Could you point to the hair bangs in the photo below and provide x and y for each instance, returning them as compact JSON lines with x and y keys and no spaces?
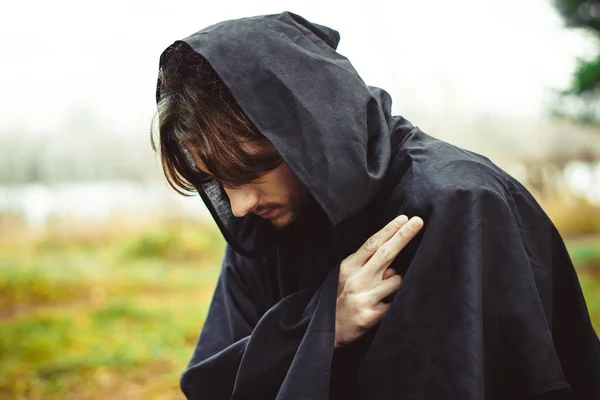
{"x":198,"y":115}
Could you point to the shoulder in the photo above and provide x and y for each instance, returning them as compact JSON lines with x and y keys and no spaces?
{"x":434,"y":175}
{"x":447,"y":179}
{"x":439,"y":170}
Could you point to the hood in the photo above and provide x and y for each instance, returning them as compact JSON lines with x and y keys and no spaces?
{"x":331,"y":129}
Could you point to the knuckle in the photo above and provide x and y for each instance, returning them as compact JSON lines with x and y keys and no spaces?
{"x":405,"y":233}
{"x":344,"y":265}
{"x":348,"y":265}
{"x":365,"y":318}
{"x":396,"y":224}
{"x":351,"y":285}
{"x":346,"y":260}
{"x":371,"y":244}
{"x":383,"y":253}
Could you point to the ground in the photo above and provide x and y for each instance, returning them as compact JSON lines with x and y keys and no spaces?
{"x":115,"y":314}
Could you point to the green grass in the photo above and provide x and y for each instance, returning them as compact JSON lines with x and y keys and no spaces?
{"x":116,"y":315}
{"x":591,"y":290}
{"x":121,"y":334}
{"x":586,"y":257}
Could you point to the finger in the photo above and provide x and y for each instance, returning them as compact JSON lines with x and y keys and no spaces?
{"x":385,"y":288}
{"x":369,"y":248}
{"x":388,"y":251}
{"x":382,"y":308}
{"x":388,"y":273}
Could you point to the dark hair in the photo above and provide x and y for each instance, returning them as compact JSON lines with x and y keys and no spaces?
{"x":195,"y":108}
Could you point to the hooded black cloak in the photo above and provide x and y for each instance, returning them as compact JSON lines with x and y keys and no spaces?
{"x":490,"y":306}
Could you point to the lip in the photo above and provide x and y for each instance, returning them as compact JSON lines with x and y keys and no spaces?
{"x":269,"y":213}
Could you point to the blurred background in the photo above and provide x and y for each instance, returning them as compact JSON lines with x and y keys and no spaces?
{"x":106,"y":273}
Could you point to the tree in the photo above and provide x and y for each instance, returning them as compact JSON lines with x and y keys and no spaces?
{"x":582,"y":100}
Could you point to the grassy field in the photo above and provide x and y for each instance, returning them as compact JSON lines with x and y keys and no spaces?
{"x":116,"y":314}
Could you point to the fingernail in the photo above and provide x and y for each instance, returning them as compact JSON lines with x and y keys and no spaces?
{"x":415,"y":223}
{"x":402,"y":219}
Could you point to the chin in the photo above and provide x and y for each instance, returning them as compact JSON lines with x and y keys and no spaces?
{"x":283,"y":221}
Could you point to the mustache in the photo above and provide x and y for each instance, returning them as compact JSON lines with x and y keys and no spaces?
{"x":265,"y":207}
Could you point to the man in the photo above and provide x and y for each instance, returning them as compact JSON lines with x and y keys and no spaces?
{"x":300,"y":163}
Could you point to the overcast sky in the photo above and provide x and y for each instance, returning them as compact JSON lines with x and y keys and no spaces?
{"x":494,"y":56}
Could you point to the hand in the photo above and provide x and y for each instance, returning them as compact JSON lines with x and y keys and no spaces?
{"x":365,"y":279}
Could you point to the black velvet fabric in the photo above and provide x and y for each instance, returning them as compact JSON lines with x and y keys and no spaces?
{"x":490,"y":306}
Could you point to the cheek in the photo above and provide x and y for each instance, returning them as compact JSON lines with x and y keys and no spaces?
{"x":278,"y":194}
{"x":282,"y":187}
{"x":291,"y":190}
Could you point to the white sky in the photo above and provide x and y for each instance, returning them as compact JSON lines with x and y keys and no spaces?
{"x":494,"y":57}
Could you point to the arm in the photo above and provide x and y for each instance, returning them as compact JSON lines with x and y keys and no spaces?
{"x":244,"y":349}
{"x":247,"y":353}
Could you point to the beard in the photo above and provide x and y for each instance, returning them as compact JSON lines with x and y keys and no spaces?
{"x":284,"y":221}
{"x":303,"y":213}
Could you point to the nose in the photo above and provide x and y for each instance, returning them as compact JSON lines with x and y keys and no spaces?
{"x":243,"y":199}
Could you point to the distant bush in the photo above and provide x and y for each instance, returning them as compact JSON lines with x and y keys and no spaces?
{"x":175,"y":243}
{"x":30,"y":284}
{"x":574,"y":218}
{"x":63,"y":268}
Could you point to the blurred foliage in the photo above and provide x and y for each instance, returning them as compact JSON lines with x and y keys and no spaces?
{"x":580,"y":13}
{"x":577,"y":217}
{"x":584,"y":92}
{"x":587,"y":77}
{"x":585,"y":253}
{"x":116,"y":313}
{"x":172,"y":244}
